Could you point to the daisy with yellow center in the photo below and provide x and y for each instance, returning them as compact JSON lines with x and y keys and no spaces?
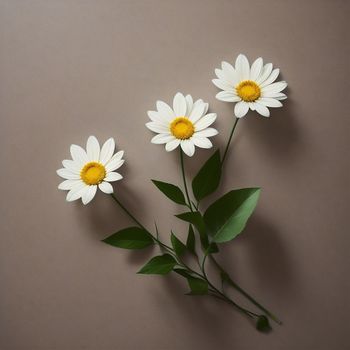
{"x":186,"y":124}
{"x":90,"y":169}
{"x":250,"y":87}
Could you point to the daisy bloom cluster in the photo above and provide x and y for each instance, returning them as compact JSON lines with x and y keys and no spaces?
{"x":90,"y":169}
{"x":250,"y":87}
{"x":185,"y":124}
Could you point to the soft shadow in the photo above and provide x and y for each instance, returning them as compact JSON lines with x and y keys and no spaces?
{"x":270,"y":259}
{"x":103,"y":216}
{"x":204,"y":315}
{"x":279,"y":134}
{"x":140,"y":256}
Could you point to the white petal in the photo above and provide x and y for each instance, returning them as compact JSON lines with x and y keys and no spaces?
{"x":230,"y":73}
{"x":223,"y":76}
{"x":222,"y":84}
{"x":202,"y":142}
{"x":276,"y":95}
{"x":206,"y":107}
{"x":116,"y":157}
{"x":115,"y":162}
{"x":256,"y":69}
{"x":179,"y":105}
{"x":171,"y":145}
{"x":269,"y":102}
{"x":263,"y":110}
{"x":188,"y":147}
{"x":67,"y":174}
{"x":72,"y":166}
{"x":275,"y":87}
{"x":205,"y":121}
{"x":106,"y":187}
{"x":107,"y":151}
{"x":273,"y":76}
{"x":89,"y":194}
{"x":113,"y":177}
{"x":78,"y":154}
{"x":68,"y":184}
{"x":265,"y":73}
{"x":114,"y":165}
{"x":93,"y":149}
{"x":76,"y":192}
{"x":206,"y":132}
{"x":197,"y":111}
{"x":162,"y":138}
{"x":165,"y":111}
{"x":155,"y":117}
{"x":189,"y":103}
{"x":252,"y":105}
{"x":157,"y":127}
{"x":242,"y":67}
{"x":227,"y":96}
{"x":241,"y":109}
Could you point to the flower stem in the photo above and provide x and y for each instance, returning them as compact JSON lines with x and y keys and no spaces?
{"x":216,"y":293}
{"x":184,"y":179}
{"x":244,"y":293}
{"x":139,"y":223}
{"x":229,"y":141}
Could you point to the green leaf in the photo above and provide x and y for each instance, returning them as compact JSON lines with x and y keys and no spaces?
{"x":195,"y":218}
{"x":262,"y":324}
{"x":171,"y":191}
{"x":159,"y":265}
{"x":130,"y":238}
{"x":191,"y":240}
{"x":208,"y":178}
{"x":227,"y":217}
{"x":178,"y":246}
{"x":197,"y":286}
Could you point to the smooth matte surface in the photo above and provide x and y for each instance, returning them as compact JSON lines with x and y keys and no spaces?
{"x":69,"y":69}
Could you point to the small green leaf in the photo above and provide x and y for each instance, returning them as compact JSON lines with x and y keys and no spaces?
{"x":191,"y":240}
{"x":208,"y":178}
{"x":197,"y":286}
{"x":227,"y":217}
{"x":195,"y":218}
{"x":178,"y":246}
{"x":262,"y":324}
{"x":130,"y":238}
{"x":159,"y":265}
{"x":171,"y":191}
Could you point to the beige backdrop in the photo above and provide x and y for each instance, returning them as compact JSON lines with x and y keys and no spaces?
{"x":74,"y":68}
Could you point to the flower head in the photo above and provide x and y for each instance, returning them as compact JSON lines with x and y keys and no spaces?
{"x":90,"y":169}
{"x":186,"y":124}
{"x":250,"y":87}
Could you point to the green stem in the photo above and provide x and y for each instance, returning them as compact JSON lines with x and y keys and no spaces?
{"x":181,"y":263}
{"x":139,"y":223}
{"x":244,"y":293}
{"x":184,"y":179}
{"x":229,"y":141}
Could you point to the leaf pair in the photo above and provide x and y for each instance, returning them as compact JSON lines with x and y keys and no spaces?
{"x":204,"y":183}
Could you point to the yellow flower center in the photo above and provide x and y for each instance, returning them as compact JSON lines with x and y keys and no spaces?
{"x":248,"y":90}
{"x":93,"y":173}
{"x":182,"y":128}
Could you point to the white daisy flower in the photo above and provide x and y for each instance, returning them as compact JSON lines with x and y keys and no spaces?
{"x":90,"y":169}
{"x":186,"y":124}
{"x":250,"y":87}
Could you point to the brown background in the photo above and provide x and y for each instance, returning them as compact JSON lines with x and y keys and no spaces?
{"x":74,"y":68}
